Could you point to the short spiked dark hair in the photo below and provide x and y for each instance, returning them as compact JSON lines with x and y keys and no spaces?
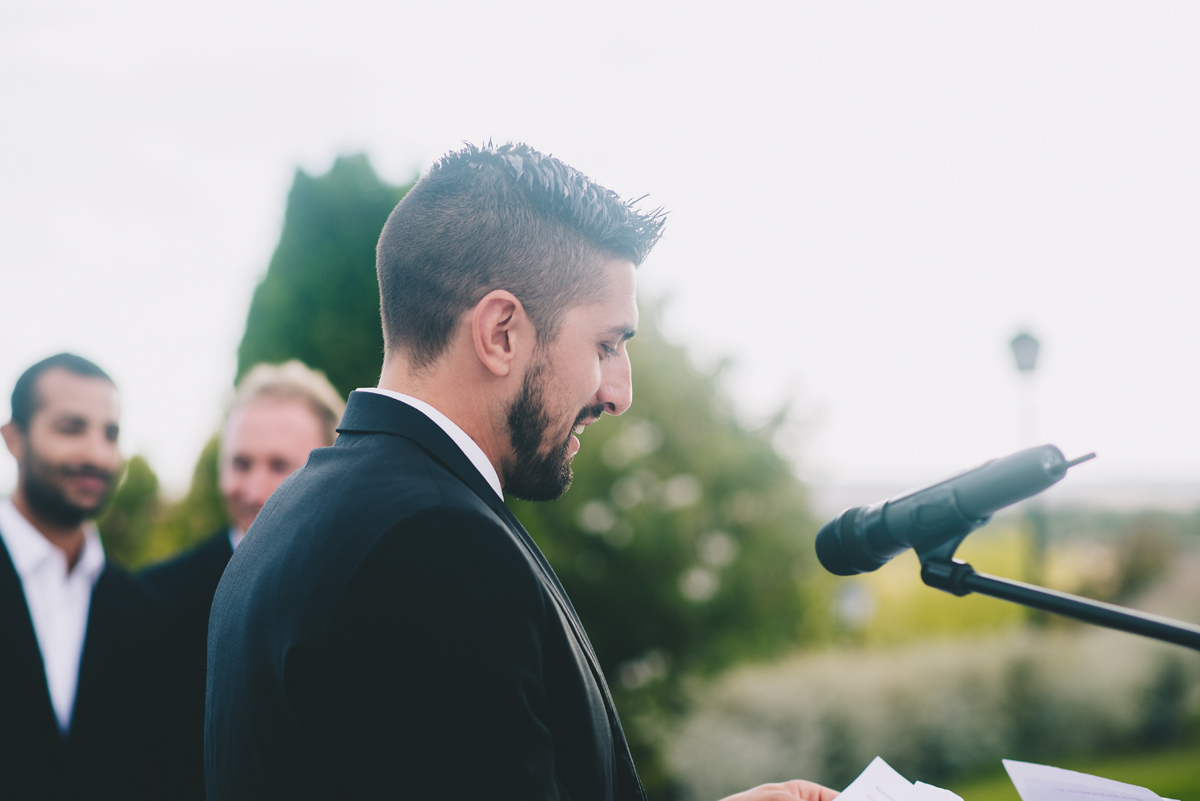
{"x":24,"y":395}
{"x":499,"y":217}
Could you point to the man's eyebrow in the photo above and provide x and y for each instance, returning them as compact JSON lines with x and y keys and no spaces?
{"x":622,"y":332}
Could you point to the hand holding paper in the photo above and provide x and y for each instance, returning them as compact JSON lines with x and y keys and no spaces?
{"x":879,"y":782}
{"x":795,"y":790}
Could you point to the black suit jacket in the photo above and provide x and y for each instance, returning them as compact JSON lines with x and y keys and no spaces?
{"x":186,"y":585}
{"x":114,"y":748}
{"x":388,"y":629}
{"x":188,"y":581}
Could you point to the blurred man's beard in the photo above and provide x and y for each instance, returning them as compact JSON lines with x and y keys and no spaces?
{"x":47,"y":499}
{"x":533,"y":475}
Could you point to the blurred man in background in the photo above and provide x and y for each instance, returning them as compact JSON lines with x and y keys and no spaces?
{"x":279,"y":414}
{"x":80,"y":640}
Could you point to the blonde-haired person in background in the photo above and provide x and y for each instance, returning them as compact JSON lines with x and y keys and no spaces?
{"x":279,"y":413}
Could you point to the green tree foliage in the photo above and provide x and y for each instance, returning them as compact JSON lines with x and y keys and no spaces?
{"x":139,"y":528}
{"x":197,"y":515}
{"x":319,"y":301}
{"x":684,"y":541}
{"x":126,"y":524}
{"x":684,"y":535}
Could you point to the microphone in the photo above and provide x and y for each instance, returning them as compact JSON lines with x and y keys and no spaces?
{"x":933,"y":520}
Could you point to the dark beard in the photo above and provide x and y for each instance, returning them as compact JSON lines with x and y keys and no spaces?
{"x":533,"y":475}
{"x":47,"y":500}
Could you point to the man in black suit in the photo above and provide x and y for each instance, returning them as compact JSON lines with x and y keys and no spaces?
{"x":388,"y":629}
{"x":280,"y":412}
{"x":80,"y":698}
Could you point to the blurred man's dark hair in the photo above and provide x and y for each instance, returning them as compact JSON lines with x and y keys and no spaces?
{"x":24,"y":395}
{"x":506,"y":217}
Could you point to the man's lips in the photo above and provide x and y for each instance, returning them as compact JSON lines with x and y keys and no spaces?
{"x":89,"y":481}
{"x":579,"y":427}
{"x":573,"y":438}
{"x":92,"y":485}
{"x":585,"y":419}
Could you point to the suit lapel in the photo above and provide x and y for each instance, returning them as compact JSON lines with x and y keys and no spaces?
{"x":368,"y":412}
{"x":568,"y":610}
{"x":94,"y":662}
{"x":560,"y":594}
{"x":18,"y":642}
{"x":371,"y":413}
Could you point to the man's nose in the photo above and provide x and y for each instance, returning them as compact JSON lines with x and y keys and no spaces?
{"x":101,"y":452}
{"x":616,"y":392}
{"x":259,"y":486}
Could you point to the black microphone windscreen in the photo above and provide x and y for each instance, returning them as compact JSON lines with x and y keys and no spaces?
{"x":831,"y":551}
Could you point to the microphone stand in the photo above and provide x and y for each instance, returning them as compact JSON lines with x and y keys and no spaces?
{"x":959,"y":578}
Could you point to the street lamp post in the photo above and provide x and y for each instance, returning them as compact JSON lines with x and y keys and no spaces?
{"x":1025,"y":350}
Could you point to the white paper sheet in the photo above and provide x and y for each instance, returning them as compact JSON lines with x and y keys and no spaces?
{"x":1045,"y":783}
{"x":927,"y":792}
{"x":879,"y":782}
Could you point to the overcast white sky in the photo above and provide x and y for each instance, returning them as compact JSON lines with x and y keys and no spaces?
{"x":867,"y":199}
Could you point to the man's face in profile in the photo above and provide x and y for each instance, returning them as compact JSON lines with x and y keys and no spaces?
{"x":584,"y":372}
{"x":264,"y":442}
{"x":69,"y":457}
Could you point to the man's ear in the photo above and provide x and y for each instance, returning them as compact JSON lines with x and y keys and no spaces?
{"x":14,"y":438}
{"x":500,"y":331}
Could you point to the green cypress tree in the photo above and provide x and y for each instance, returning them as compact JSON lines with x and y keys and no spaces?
{"x":126,"y":525}
{"x":319,"y":301}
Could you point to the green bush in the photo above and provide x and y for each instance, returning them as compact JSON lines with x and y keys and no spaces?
{"x":934,"y":711}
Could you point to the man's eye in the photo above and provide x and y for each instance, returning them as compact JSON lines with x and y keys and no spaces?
{"x":609,"y":350}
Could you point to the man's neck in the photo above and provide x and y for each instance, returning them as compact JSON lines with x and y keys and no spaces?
{"x":447,"y":392}
{"x":69,"y":540}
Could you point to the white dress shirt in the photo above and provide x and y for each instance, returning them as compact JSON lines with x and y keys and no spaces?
{"x":58,"y":599}
{"x":467,"y":445}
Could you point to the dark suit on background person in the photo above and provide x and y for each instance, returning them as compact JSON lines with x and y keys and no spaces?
{"x":185,"y":586}
{"x":279,"y":413}
{"x":113,"y":749}
{"x":189,"y":581}
{"x":387,"y":596}
{"x":84,"y":703}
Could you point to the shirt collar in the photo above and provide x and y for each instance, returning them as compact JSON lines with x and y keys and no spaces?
{"x":467,"y":445}
{"x":30,"y":551}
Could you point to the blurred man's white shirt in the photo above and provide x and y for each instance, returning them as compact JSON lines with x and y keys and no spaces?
{"x":58,"y":599}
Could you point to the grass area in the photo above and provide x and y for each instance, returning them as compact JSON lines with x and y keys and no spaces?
{"x":1173,"y":773}
{"x":906,"y":610}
